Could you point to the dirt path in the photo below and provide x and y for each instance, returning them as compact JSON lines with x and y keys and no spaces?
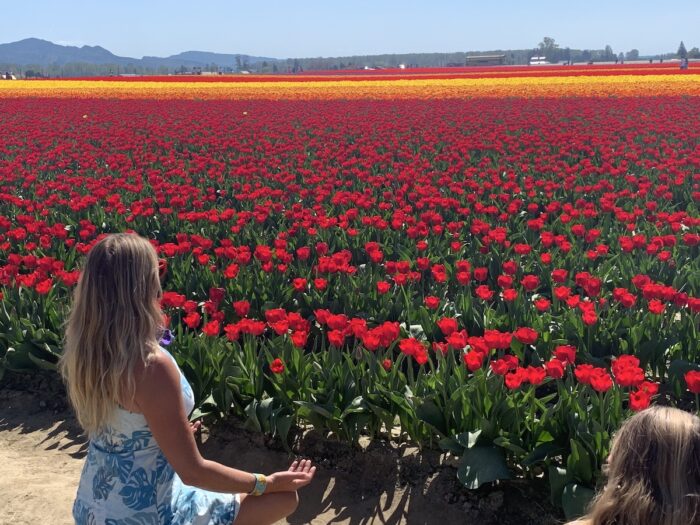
{"x":42,"y":452}
{"x":41,"y":459}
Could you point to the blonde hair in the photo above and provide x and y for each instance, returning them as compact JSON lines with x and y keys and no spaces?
{"x":113,"y":324}
{"x":653,"y":472}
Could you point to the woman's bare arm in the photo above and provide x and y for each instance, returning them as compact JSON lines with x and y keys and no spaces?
{"x":159,"y":396}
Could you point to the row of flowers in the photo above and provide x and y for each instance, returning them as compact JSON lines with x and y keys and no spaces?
{"x":669,"y":68}
{"x":475,"y":351}
{"x":549,"y":84}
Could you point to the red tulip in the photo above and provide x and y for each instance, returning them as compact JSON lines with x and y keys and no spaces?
{"x":212,"y":328}
{"x":192,"y":320}
{"x":447,"y":325}
{"x":432,"y":302}
{"x":383,"y":287}
{"x":473,"y":360}
{"x":692,"y":379}
{"x":526,"y":336}
{"x":639,"y":400}
{"x":241,"y":308}
{"x":565,"y":354}
{"x":277,"y":366}
{"x":554,"y":369}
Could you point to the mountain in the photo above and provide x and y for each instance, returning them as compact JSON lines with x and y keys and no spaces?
{"x":220,"y":59}
{"x":37,"y":52}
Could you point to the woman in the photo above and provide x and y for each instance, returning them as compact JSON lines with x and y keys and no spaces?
{"x":653,"y":472}
{"x":143,"y":466}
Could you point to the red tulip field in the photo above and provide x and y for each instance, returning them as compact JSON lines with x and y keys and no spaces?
{"x":505,"y":277}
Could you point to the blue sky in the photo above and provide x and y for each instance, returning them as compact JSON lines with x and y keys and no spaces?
{"x":312,"y":28}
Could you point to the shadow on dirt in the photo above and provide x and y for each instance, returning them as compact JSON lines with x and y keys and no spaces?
{"x":37,"y":402}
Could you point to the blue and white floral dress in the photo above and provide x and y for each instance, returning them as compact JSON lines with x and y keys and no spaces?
{"x":126,"y":480}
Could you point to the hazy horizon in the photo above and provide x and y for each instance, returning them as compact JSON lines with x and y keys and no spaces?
{"x":319,"y":29}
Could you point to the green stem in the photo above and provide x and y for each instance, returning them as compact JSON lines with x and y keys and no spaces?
{"x":532,"y":409}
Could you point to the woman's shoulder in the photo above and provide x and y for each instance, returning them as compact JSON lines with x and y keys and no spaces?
{"x":160,"y":362}
{"x":155,"y":359}
{"x":159,"y":376}
{"x":156,"y":368}
{"x":163,"y":353}
{"x":160,"y":371}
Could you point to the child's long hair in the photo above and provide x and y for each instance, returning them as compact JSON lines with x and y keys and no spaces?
{"x":113,"y":324}
{"x":653,"y":472}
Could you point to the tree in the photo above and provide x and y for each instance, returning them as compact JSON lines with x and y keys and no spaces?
{"x":682,"y":53}
{"x":694,"y":53}
{"x":547,"y":43}
{"x":632,"y":54}
{"x":608,"y":54}
{"x":549,"y":48}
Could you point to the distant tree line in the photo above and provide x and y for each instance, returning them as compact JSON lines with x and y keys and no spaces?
{"x":555,"y":54}
{"x":83,"y":69}
{"x":548,"y":48}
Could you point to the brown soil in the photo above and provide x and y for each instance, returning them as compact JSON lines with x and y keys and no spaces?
{"x":42,"y":451}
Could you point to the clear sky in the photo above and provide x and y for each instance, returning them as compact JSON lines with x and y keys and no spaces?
{"x":312,"y":28}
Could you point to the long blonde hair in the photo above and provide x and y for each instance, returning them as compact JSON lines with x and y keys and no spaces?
{"x":114,"y":323}
{"x":653,"y":472}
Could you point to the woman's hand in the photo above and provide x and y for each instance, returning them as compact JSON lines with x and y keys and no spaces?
{"x":299,"y":475}
{"x":195,"y":426}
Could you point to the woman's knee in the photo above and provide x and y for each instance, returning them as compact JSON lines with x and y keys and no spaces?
{"x":269,"y":508}
{"x":290,"y":502}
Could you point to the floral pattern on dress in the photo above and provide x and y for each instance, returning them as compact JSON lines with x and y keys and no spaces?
{"x":127,"y":480}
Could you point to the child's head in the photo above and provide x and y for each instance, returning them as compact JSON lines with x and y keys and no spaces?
{"x":653,"y":471}
{"x":114,"y":322}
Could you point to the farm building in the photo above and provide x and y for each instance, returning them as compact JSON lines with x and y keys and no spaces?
{"x":486,"y":60}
